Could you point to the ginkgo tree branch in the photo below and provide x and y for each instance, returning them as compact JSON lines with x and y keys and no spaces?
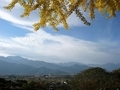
{"x":55,"y":12}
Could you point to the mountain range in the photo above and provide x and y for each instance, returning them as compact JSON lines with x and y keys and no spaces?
{"x":19,"y":65}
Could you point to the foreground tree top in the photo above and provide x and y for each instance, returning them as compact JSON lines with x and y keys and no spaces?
{"x":55,"y":12}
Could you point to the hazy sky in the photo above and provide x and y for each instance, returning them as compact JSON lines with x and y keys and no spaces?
{"x":97,"y":43}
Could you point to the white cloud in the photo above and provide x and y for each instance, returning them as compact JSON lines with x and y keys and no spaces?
{"x":58,"y":48}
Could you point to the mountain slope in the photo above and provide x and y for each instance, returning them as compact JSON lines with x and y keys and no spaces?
{"x":21,"y":69}
{"x":11,"y":68}
{"x":14,"y":64}
{"x":46,"y":71}
{"x":110,"y":66}
{"x":36,"y":64}
{"x":17,"y":64}
{"x":74,"y":68}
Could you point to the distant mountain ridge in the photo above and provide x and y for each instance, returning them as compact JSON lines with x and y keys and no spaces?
{"x":107,"y":66}
{"x":36,"y":64}
{"x":36,"y":67}
{"x":46,"y":71}
{"x":11,"y":68}
{"x":69,"y":64}
{"x":19,"y":65}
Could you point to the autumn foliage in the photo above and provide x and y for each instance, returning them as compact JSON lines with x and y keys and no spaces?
{"x":55,"y":12}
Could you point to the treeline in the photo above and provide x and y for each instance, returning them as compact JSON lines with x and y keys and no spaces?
{"x":96,"y":79}
{"x":89,"y":79}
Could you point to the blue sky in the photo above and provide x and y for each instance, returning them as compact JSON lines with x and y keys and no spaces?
{"x":97,"y":44}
